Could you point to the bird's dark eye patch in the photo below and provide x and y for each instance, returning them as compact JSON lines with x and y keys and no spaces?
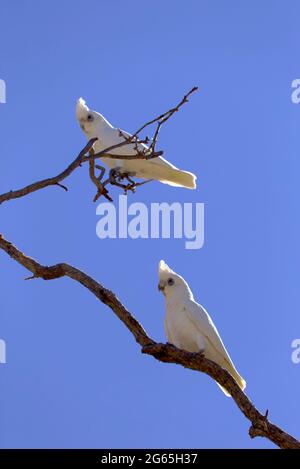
{"x":90,"y":117}
{"x":171,"y":281}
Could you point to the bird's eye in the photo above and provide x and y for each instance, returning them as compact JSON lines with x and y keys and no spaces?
{"x":170,"y":281}
{"x":90,"y":118}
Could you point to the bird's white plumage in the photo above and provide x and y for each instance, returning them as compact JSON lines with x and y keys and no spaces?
{"x":95,"y":125}
{"x":188,"y":325}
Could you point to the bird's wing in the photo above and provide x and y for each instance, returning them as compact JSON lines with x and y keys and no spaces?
{"x":168,"y":333}
{"x":203,"y":322}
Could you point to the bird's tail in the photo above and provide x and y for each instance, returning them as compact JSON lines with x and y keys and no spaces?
{"x":240,"y":381}
{"x":173,"y":176}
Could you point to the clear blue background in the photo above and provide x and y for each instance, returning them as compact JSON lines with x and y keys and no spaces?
{"x":75,"y":377}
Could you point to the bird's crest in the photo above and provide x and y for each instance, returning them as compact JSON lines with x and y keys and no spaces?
{"x":81,"y":108}
{"x":164,"y":269}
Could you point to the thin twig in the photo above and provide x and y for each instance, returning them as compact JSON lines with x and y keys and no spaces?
{"x":62,"y":186}
{"x":166,"y":115}
{"x":101,"y":190}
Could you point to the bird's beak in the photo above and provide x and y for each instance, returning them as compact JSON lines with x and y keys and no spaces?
{"x":161,"y":287}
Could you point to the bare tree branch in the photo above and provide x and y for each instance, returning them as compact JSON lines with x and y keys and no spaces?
{"x":97,"y":179}
{"x":260,"y":424}
{"x":49,"y":181}
{"x":55,"y":180}
{"x":165,"y":116}
{"x":83,"y":157}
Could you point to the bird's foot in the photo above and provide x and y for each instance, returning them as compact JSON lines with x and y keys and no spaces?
{"x":132,"y":186}
{"x":117,"y":178}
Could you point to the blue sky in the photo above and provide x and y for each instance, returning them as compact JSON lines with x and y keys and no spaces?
{"x":74,"y":375}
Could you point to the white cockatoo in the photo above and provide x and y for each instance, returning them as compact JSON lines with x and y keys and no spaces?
{"x":94,"y":125}
{"x":188,"y":326}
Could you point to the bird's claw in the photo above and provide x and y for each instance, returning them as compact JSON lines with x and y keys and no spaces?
{"x":130,"y":187}
{"x":116,"y":178}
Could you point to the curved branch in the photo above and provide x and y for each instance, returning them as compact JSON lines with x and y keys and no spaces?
{"x":49,"y":181}
{"x":260,"y":425}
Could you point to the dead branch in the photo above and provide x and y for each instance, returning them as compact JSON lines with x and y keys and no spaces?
{"x":160,"y":120}
{"x":260,"y":424}
{"x":49,"y":181}
{"x":97,"y":179}
{"x":146,"y":154}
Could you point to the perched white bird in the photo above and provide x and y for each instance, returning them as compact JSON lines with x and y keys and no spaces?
{"x":94,"y":125}
{"x":188,"y":326}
